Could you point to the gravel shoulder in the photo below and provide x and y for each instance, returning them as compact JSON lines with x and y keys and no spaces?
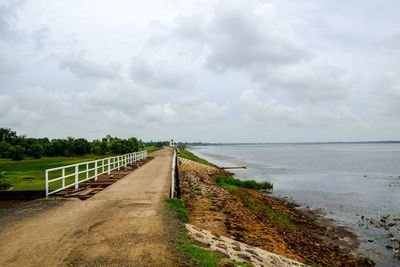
{"x":124,"y":225}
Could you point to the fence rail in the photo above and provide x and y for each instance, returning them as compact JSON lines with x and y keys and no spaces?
{"x":72,"y":175}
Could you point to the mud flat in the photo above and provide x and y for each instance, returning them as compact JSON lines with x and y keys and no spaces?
{"x":248,"y":216}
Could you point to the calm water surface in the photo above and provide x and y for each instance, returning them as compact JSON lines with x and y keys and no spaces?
{"x":344,"y":180}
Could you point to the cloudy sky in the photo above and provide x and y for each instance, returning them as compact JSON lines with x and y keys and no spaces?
{"x":213,"y":71}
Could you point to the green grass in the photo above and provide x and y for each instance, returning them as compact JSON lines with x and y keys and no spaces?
{"x":177,"y":206}
{"x":148,"y":148}
{"x":29,"y":174}
{"x":280,"y":218}
{"x":233,"y":184}
{"x":186,"y":245}
{"x":188,"y":155}
{"x":196,"y":254}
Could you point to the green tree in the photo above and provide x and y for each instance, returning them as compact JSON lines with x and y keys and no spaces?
{"x":18,"y":152}
{"x":5,"y":150}
{"x":103,"y":147}
{"x":57,"y":148}
{"x":81,"y":146}
{"x":116,"y":145}
{"x":6,"y":134}
{"x":141,"y":144}
{"x":95,"y":146}
{"x":133,"y":144}
{"x":36,"y":151}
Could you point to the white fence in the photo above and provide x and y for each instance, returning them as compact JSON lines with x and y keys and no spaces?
{"x":173,"y":175}
{"x":72,"y":175}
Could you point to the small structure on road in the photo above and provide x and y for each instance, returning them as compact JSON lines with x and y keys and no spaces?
{"x":172,"y":143}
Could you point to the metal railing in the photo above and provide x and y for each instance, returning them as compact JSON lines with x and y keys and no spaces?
{"x":173,"y":175}
{"x":73,"y":175}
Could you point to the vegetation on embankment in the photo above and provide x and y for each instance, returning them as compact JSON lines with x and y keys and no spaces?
{"x":188,"y":155}
{"x":191,"y":253}
{"x":3,"y":183}
{"x":177,"y":207}
{"x":233,"y":184}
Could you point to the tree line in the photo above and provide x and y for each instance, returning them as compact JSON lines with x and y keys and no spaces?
{"x":18,"y":147}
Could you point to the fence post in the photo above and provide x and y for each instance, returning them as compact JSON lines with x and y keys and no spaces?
{"x":47,"y":183}
{"x":118,"y":162}
{"x":95,"y":170}
{"x":173,"y":176}
{"x":109,"y":166}
{"x":76,"y":176}
{"x":63,"y":180}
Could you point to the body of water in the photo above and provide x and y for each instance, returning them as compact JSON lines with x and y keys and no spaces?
{"x":345,"y":181}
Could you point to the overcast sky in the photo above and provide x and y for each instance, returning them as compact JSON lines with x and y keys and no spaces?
{"x":211,"y":71}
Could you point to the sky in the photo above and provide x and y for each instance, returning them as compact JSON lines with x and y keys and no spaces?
{"x":207,"y":70}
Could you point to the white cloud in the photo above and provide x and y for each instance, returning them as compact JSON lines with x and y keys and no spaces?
{"x":272,"y":113}
{"x":240,"y":35}
{"x":312,"y":81}
{"x":388,"y":93}
{"x":253,"y":39}
{"x":208,"y":70}
{"x":81,"y":66}
{"x":40,"y":37}
{"x":160,"y":75}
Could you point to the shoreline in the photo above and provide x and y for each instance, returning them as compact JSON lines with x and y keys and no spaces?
{"x":299,"y":234}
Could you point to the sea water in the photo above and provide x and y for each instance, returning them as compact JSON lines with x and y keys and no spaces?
{"x":345,"y":181}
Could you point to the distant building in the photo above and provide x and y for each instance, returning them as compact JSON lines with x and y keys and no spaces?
{"x":172,"y":143}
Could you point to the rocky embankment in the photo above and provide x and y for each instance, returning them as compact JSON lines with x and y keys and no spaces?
{"x":273,"y":225}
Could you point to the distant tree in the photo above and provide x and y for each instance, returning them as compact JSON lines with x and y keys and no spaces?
{"x":57,"y":148}
{"x":95,"y":146}
{"x":36,"y":151}
{"x":133,"y":144}
{"x":116,"y":145}
{"x":81,"y":146}
{"x":141,"y":144}
{"x":6,"y":134}
{"x":20,"y":140}
{"x":14,"y":146}
{"x":103,"y":147}
{"x":17,"y":152}
{"x":5,"y":150}
{"x":69,"y":146}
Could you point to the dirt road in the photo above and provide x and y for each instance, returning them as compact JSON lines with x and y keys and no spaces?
{"x":120,"y":226}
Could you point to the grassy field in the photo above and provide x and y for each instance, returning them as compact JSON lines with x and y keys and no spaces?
{"x":29,"y":174}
